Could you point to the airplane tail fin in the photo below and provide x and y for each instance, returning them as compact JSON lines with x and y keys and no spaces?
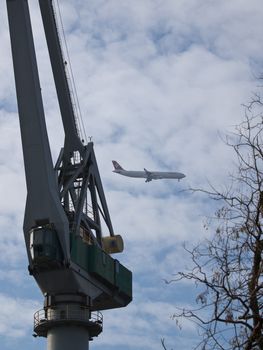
{"x":116,"y":165}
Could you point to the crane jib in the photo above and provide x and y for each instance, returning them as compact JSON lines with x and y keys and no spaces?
{"x":72,"y":139}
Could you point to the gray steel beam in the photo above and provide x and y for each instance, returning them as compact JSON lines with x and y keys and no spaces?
{"x":72,"y":140}
{"x":43,"y":203}
{"x":98,"y":184}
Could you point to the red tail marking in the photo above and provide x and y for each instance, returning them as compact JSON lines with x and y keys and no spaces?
{"x":117,"y":165}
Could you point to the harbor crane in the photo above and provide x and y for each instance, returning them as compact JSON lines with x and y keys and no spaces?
{"x":69,"y":256}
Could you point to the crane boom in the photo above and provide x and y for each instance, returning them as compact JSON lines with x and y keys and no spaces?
{"x":43,"y":202}
{"x":72,"y":140}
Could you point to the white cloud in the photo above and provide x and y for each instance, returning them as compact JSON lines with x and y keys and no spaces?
{"x":14,"y":277}
{"x":16,"y":316}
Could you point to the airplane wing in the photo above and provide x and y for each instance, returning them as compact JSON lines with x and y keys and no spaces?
{"x":148,"y":175}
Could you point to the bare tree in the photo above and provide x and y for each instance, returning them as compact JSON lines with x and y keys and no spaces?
{"x":228,"y":268}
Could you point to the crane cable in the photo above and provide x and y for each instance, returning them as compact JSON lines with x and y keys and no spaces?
{"x":71,"y":79}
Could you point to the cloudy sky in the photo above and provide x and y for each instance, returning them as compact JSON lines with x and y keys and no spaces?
{"x":159,"y":82}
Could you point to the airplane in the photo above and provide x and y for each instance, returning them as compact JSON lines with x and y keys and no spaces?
{"x":148,"y":175}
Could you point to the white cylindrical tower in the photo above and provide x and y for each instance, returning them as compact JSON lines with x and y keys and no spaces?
{"x":67,"y":325}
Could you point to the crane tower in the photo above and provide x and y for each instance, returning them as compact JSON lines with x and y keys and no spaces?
{"x":68,"y":255}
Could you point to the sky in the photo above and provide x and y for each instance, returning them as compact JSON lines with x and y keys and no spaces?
{"x":159,"y":82}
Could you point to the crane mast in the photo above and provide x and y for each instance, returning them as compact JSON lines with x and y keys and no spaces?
{"x":68,"y":255}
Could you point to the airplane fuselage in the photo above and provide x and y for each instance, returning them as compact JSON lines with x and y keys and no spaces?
{"x":150,"y":175}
